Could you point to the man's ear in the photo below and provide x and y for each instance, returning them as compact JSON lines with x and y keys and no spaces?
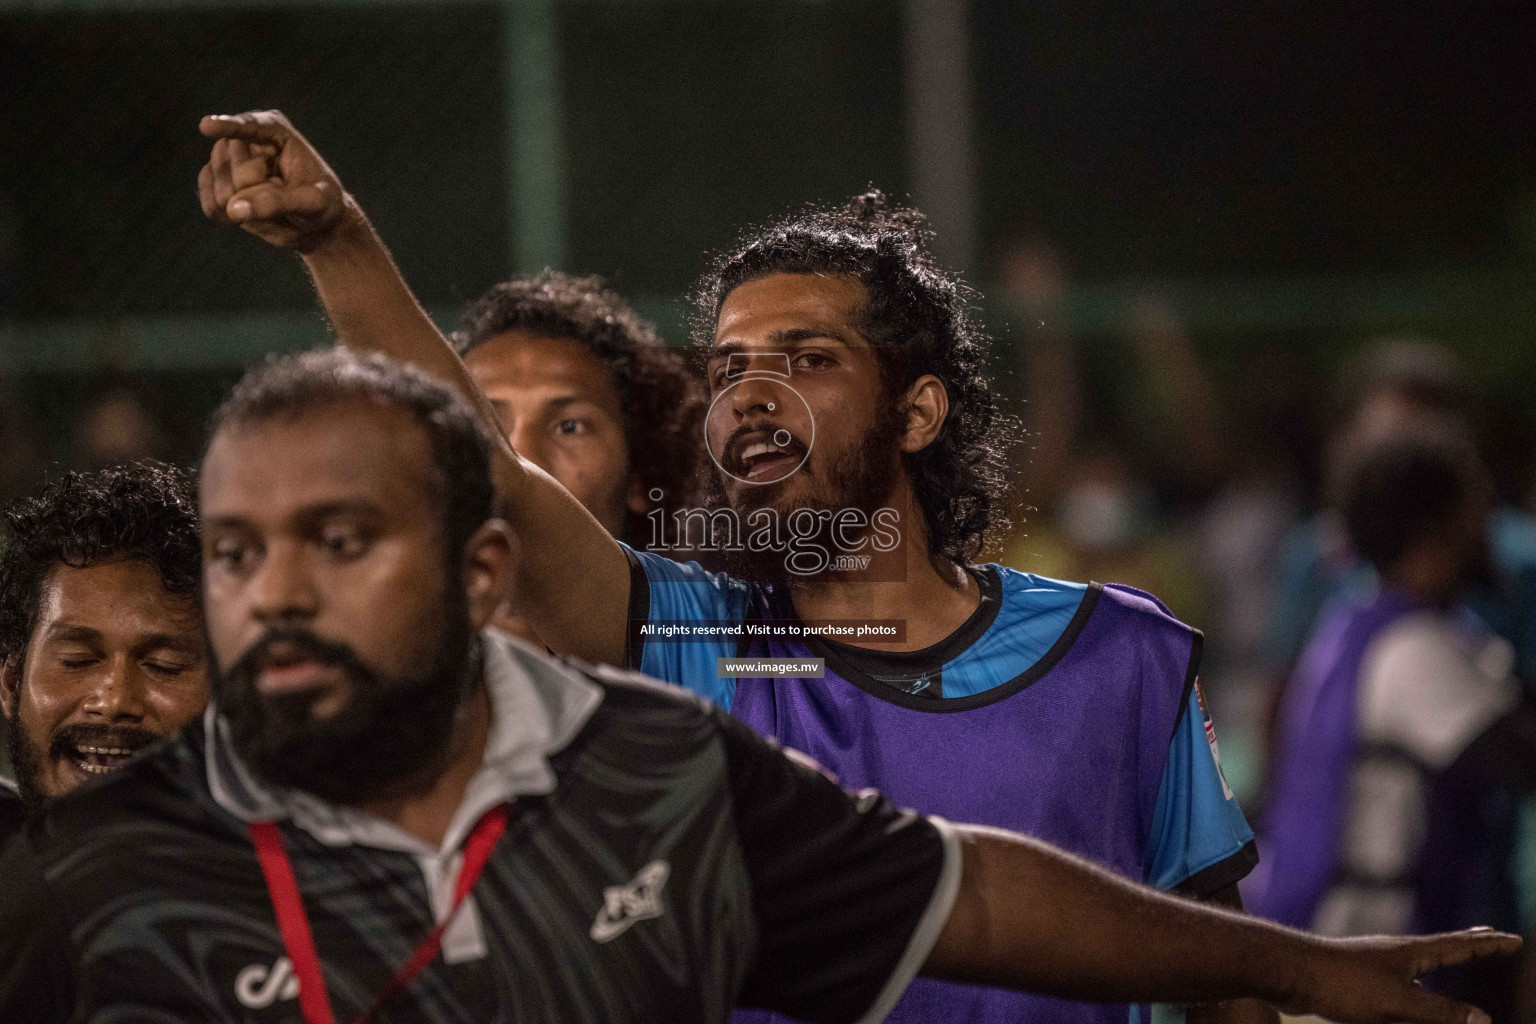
{"x":10,"y":684}
{"x":489,"y":559}
{"x":927,"y":407}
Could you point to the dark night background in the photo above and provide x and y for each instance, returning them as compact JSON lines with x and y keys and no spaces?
{"x":1294,"y":177}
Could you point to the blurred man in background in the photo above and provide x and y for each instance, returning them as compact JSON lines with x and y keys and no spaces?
{"x":586,"y":390}
{"x":1394,"y":685}
{"x":101,"y":645}
{"x":1394,"y":382}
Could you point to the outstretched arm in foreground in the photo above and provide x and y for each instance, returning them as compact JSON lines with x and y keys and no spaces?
{"x":1230,"y":1011}
{"x":1031,"y":917}
{"x":573,"y":579}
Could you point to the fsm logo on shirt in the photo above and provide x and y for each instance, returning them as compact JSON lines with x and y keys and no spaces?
{"x":635,"y":901}
{"x":259,"y":986}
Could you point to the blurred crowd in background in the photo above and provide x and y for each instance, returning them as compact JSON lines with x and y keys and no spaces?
{"x":1219,"y":286}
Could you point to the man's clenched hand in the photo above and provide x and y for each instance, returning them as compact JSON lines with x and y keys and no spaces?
{"x":266,"y":177}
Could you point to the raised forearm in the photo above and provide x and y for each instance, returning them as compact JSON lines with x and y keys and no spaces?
{"x":372,"y":308}
{"x":572,"y":582}
{"x":573,"y":579}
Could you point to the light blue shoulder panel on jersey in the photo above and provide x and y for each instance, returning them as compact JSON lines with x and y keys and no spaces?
{"x":685,"y":591}
{"x":1197,"y":823}
{"x":1033,"y":613}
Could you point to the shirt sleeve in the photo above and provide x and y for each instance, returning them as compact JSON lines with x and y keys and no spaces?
{"x":849,"y":892}
{"x":681,"y":619}
{"x":37,"y":978}
{"x":1200,"y":842}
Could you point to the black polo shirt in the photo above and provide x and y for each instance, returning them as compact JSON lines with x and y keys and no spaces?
{"x":139,"y":897}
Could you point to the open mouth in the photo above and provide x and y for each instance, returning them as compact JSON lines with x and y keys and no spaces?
{"x":762,"y":456}
{"x":95,"y":760}
{"x":289,"y":668}
{"x":291,"y":676}
{"x":94,"y":752}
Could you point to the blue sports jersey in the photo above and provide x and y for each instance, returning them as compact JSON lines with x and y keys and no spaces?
{"x":1071,"y":712}
{"x":1197,"y":823}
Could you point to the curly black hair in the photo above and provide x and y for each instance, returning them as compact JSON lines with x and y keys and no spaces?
{"x":919,"y":320}
{"x":145,"y":511}
{"x":288,"y":387}
{"x":660,"y":397}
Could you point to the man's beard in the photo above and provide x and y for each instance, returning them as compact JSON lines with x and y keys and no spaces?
{"x":387,"y":738}
{"x":860,"y":478}
{"x":27,"y":762}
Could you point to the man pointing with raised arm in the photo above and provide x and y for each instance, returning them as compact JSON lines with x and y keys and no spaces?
{"x":578,"y":585}
{"x":850,"y":410}
{"x":391,"y":814}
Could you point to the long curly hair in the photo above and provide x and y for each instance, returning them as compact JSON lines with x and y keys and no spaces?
{"x":145,"y":511}
{"x":919,"y":321}
{"x":659,"y":395}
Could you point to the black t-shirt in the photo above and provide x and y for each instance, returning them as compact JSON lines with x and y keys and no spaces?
{"x":140,"y":897}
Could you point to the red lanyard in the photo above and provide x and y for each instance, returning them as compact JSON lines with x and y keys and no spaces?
{"x":294,"y":925}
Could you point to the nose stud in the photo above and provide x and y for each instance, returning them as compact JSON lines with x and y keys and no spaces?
{"x":771,"y":407}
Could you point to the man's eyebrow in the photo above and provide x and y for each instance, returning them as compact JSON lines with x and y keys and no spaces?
{"x":786,"y":337}
{"x":729,"y":348}
{"x":797,"y":335}
{"x":72,"y":632}
{"x":223,"y":522}
{"x":171,"y":641}
{"x":320,"y":511}
{"x":308,"y":513}
{"x":558,"y":402}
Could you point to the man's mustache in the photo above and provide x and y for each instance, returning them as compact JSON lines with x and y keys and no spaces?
{"x":299,"y":644}
{"x":78,"y":735}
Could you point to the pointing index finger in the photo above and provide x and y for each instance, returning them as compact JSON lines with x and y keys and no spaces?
{"x":1438,"y":951}
{"x":250,"y":127}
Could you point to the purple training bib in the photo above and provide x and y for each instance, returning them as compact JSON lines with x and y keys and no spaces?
{"x":1071,"y":752}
